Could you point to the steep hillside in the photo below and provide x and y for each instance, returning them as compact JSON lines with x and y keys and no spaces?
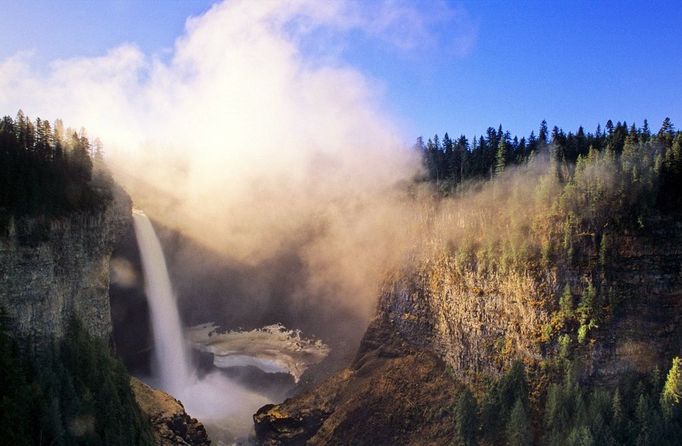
{"x":171,"y":424}
{"x":430,"y":335}
{"x":553,"y":293}
{"x":479,"y":323}
{"x":54,"y":269}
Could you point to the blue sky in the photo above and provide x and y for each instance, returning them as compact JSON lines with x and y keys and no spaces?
{"x":571,"y":63}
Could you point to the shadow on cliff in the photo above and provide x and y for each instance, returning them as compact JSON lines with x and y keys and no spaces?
{"x":234,"y":296}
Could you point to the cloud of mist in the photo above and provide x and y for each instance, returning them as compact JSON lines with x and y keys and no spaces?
{"x":246,"y":143}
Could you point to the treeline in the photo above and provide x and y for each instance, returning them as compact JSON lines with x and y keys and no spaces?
{"x":46,"y":169}
{"x":450,"y":162}
{"x":561,"y":209}
{"x":644,"y":411}
{"x":72,"y":393}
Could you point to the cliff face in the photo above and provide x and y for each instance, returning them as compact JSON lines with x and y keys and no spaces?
{"x":479,"y":323}
{"x":382,"y":399}
{"x":51,"y":271}
{"x":171,"y":425}
{"x":644,"y":277}
{"x":473,"y":322}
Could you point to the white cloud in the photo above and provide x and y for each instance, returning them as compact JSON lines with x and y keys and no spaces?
{"x":244,"y":142}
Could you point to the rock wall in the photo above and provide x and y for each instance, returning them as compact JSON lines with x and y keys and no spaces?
{"x":479,"y":322}
{"x":53,"y":270}
{"x":438,"y":324}
{"x":644,"y":275}
{"x":476,"y":322}
{"x":382,"y":399}
{"x":171,"y":425}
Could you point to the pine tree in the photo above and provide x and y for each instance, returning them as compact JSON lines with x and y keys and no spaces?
{"x":646,"y":133}
{"x":448,"y":156}
{"x":580,"y":436}
{"x":461,"y":159}
{"x":556,"y":416}
{"x":566,"y":302}
{"x":673,"y":157}
{"x":466,"y":420}
{"x":648,"y":422}
{"x":532,"y":143}
{"x":671,"y":396}
{"x":586,"y":307}
{"x":519,"y":431}
{"x":543,"y":133}
{"x":501,"y":157}
{"x":603,"y":250}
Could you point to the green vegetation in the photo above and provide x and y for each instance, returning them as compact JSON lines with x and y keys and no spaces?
{"x":642,"y":411}
{"x":519,"y":431}
{"x":47,"y":171}
{"x":538,"y":235}
{"x":466,"y":420}
{"x":451,"y":163}
{"x":72,"y":393}
{"x":671,"y":396}
{"x":552,"y":206}
{"x":505,"y":406}
{"x":554,"y":202}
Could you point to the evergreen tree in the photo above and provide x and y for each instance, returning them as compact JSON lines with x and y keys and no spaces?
{"x":532,"y":143}
{"x":618,"y":420}
{"x":566,"y":302}
{"x":448,"y":155}
{"x":665,"y":134}
{"x":519,"y":432}
{"x":580,"y":436}
{"x":556,"y":416}
{"x":642,"y":414}
{"x":671,"y":396}
{"x":501,"y":157}
{"x":543,"y":134}
{"x":466,"y":420}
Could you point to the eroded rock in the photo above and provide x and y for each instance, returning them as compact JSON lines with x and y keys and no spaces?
{"x":403,"y":399}
{"x":171,"y":425}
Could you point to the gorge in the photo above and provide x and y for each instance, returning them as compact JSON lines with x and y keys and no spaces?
{"x":226,"y":229}
{"x":224,"y":407}
{"x":501,"y":316}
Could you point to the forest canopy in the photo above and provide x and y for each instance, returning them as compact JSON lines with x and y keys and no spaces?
{"x":451,"y":162}
{"x":47,"y":170}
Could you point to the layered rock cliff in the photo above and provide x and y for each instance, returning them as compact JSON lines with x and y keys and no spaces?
{"x":54,"y":269}
{"x":479,"y":322}
{"x":449,"y":317}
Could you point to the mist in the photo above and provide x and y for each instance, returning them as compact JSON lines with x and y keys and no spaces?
{"x":239,"y":140}
{"x":255,"y":139}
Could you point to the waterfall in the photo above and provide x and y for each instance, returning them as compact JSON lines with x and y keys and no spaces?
{"x":225,"y":407}
{"x":169,"y":345}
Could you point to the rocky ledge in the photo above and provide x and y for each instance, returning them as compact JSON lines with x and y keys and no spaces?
{"x":171,"y":425}
{"x":390,"y":395}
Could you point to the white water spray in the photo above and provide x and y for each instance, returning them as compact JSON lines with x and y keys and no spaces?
{"x":222,"y":405}
{"x":169,"y":346}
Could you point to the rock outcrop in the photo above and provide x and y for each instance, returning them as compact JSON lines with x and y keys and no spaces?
{"x":382,"y":399}
{"x":473,"y":323}
{"x":54,"y":269}
{"x":478,"y":323}
{"x":171,"y":425}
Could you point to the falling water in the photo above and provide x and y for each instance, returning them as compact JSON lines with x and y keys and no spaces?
{"x":170,"y":348}
{"x":222,"y":405}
